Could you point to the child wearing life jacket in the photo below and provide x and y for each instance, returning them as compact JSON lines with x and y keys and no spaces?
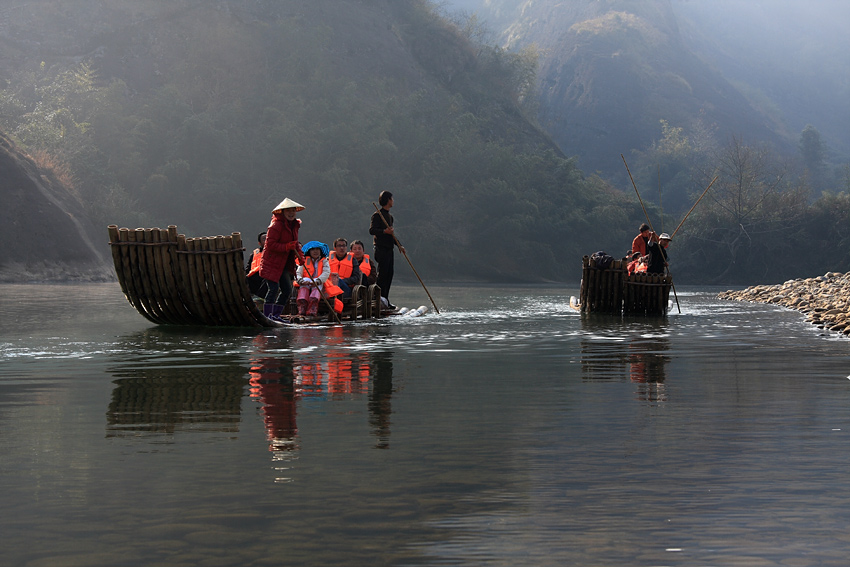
{"x":312,"y":279}
{"x":637,"y":264}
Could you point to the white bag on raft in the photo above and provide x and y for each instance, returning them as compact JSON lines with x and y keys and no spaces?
{"x":421,"y":310}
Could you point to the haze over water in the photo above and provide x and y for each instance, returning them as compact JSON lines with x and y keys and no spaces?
{"x":508,"y":430}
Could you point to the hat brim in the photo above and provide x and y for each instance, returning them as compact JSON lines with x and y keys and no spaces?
{"x":288,"y":204}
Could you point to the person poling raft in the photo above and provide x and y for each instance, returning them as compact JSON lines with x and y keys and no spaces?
{"x":381,"y":236}
{"x":641,"y":281}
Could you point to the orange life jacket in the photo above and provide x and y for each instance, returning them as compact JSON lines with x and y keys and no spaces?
{"x":255,"y":262}
{"x":365,"y":266}
{"x":342,"y":267}
{"x":330,"y":290}
{"x":636,"y":266}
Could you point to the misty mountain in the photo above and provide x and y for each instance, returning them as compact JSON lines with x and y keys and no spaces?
{"x":611,"y":70}
{"x":205,"y":114}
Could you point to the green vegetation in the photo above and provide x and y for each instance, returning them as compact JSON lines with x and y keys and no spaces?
{"x":758,"y":222}
{"x":238,"y":116}
{"x":188,"y":113}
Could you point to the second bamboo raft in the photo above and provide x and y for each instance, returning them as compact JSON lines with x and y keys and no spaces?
{"x":613,"y":290}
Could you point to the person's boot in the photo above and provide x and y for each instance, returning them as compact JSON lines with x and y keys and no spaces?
{"x":277,"y":311}
{"x":267,"y":309}
{"x":302,"y":306}
{"x":313,"y":307}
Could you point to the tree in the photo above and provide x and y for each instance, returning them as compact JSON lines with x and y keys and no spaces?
{"x":813,"y":153}
{"x":743,"y":224}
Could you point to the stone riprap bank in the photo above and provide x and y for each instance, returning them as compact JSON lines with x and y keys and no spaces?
{"x":825,"y":299}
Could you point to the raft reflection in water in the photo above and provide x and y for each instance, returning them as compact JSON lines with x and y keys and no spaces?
{"x":156,"y":396}
{"x":642,"y":360}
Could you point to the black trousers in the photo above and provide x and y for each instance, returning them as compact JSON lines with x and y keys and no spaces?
{"x":385,"y":260}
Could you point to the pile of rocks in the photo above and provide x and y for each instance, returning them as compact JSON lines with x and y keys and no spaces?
{"x":825,"y":299}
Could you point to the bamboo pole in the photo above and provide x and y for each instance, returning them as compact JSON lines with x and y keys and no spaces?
{"x":170,"y":274}
{"x":649,"y":222}
{"x":162,"y":293}
{"x":404,"y":253}
{"x":194,"y":267}
{"x":214,"y":281}
{"x":244,"y":292}
{"x":230,"y":280}
{"x":140,"y":274}
{"x":692,"y":208}
{"x":147,"y":271}
{"x":206,"y":301}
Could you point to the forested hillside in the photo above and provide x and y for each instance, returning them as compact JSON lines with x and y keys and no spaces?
{"x":206,"y":114}
{"x":693,"y":90}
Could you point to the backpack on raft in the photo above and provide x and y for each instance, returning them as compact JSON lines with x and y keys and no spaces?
{"x":601,"y":260}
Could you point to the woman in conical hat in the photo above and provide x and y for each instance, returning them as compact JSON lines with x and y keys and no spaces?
{"x":278,"y":264}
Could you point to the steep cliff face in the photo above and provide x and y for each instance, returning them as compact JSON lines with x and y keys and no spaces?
{"x":610,"y":70}
{"x":45,"y":234}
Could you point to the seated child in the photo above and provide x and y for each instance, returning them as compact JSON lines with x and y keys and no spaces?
{"x":312,"y":279}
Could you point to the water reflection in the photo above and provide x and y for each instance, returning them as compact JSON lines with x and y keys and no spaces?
{"x":272,"y":383}
{"x":166,"y":385}
{"x":380,"y":401}
{"x":169,"y":381}
{"x":626,"y":353}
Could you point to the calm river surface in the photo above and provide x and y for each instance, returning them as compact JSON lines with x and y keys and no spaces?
{"x":508,"y":430}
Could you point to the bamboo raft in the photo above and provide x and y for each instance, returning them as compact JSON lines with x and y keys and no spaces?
{"x":613,"y":290}
{"x":173,"y":280}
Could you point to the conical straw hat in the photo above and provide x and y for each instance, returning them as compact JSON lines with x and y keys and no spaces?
{"x":288,"y":204}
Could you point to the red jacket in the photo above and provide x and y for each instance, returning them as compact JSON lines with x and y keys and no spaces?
{"x":277,"y":257}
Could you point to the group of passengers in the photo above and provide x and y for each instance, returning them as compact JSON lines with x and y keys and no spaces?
{"x":281,"y":263}
{"x":649,"y":252}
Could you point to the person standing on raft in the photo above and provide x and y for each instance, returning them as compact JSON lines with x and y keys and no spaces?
{"x":381,"y":229}
{"x":277,"y":266}
{"x":656,"y":247}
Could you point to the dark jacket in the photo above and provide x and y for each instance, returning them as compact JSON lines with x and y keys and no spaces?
{"x":657,"y":257}
{"x":377,"y":227}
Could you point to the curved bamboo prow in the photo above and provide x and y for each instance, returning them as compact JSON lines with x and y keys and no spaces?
{"x":171,"y":279}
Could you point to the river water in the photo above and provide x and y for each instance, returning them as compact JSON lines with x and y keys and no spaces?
{"x":507,"y":430}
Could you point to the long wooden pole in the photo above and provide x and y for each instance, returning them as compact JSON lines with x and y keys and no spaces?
{"x":660,"y":203}
{"x":649,"y":222}
{"x":400,"y":247}
{"x":667,"y":268}
{"x":695,"y":204}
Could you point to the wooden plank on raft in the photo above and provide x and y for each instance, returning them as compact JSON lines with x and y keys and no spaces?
{"x":198,"y":282}
{"x":215,"y":246}
{"x":582,"y":297}
{"x":237,"y":263}
{"x":170,"y":273}
{"x":117,"y":261}
{"x":232,"y":271}
{"x":127,"y":272}
{"x":191,"y":287}
{"x":138,"y":266}
{"x":209,"y":290}
{"x":157,"y":277}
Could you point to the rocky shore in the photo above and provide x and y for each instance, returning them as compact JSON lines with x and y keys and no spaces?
{"x":825,"y":299}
